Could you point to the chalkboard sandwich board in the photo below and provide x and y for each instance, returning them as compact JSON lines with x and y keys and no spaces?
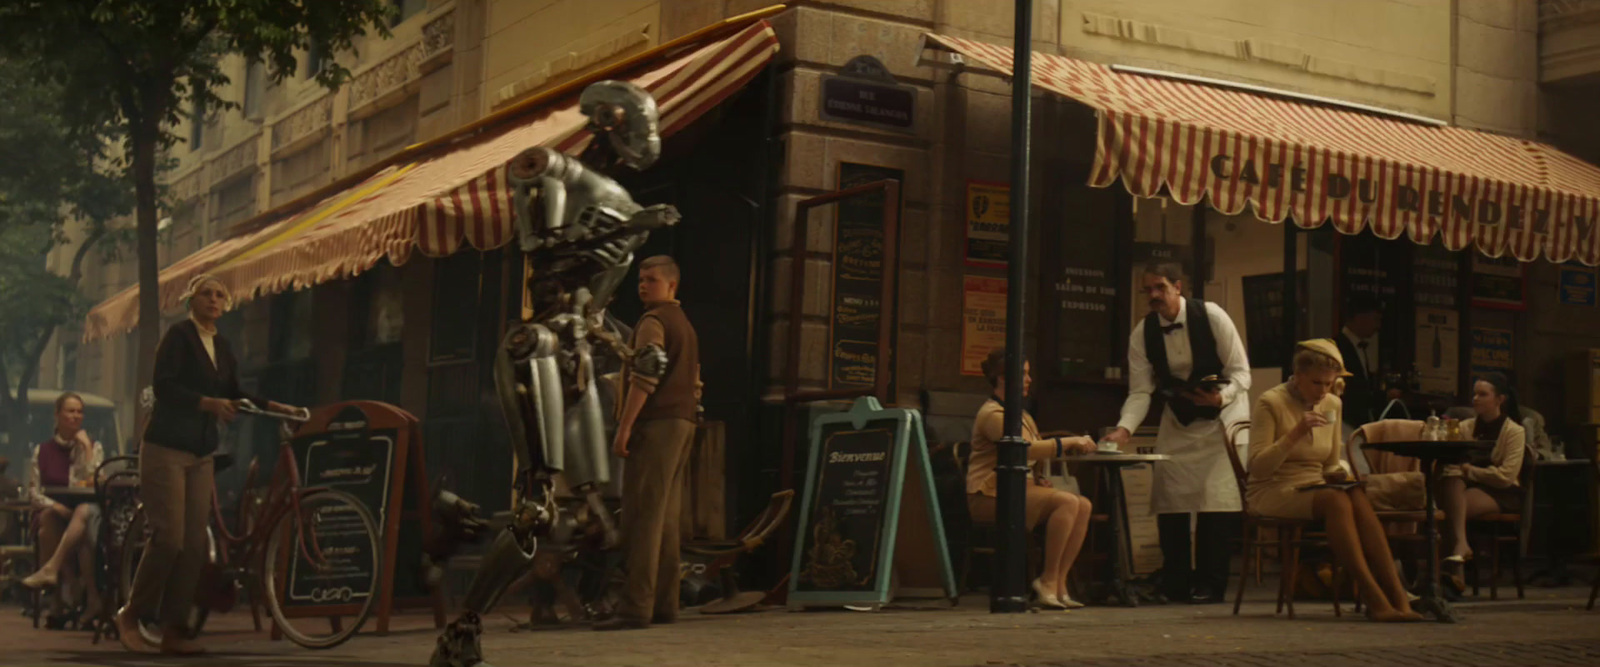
{"x":372,"y":451}
{"x":860,"y":465}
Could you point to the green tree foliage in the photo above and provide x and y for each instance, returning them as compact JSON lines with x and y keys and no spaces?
{"x":53,"y":172}
{"x":141,"y":64}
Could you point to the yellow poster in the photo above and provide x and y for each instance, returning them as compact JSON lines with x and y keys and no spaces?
{"x":984,"y":329}
{"x":988,"y":224}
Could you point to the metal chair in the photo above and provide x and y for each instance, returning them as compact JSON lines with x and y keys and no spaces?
{"x":1292,"y":535}
{"x":1507,"y":528}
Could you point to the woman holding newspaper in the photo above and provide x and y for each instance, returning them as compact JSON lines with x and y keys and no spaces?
{"x":1296,"y":472}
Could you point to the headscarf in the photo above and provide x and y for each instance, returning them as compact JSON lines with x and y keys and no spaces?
{"x":199,"y":281}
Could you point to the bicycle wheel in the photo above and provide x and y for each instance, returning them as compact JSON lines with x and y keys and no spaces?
{"x":132,"y":551}
{"x":321,"y":569}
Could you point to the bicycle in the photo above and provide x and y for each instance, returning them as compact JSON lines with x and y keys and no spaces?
{"x":318,"y":554}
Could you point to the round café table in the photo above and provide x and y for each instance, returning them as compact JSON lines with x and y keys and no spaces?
{"x":1109,"y":466}
{"x":1433,"y":454}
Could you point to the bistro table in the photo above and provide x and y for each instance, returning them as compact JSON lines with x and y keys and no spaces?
{"x":1433,"y":454}
{"x":1109,"y":466}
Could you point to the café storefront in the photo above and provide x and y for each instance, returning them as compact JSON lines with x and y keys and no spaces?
{"x":1440,"y":221}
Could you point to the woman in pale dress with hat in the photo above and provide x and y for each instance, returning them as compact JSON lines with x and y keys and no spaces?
{"x":1295,"y":442}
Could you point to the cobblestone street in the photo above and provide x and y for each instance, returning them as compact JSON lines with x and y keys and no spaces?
{"x":1549,"y":628}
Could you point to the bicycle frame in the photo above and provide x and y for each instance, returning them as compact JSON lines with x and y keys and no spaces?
{"x":284,"y":493}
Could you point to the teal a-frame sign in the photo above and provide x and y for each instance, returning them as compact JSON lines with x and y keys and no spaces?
{"x":860,"y":463}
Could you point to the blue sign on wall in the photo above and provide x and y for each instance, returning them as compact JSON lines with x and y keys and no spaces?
{"x":1577,"y":286}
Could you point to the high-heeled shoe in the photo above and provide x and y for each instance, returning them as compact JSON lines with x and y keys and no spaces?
{"x":1047,"y":598}
{"x":40,"y":579}
{"x":1451,"y":574}
{"x":1069,"y":603}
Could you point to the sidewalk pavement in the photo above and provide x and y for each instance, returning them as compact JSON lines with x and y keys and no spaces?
{"x":1550,"y":627}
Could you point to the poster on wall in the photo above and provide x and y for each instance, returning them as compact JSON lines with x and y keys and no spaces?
{"x":858,"y":281}
{"x":988,"y":224}
{"x":1576,"y":285}
{"x":1499,"y":283}
{"x":1438,"y":355}
{"x":983,"y":306}
{"x":1491,"y":351}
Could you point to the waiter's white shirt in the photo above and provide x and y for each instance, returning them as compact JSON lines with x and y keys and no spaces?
{"x":1199,"y":477}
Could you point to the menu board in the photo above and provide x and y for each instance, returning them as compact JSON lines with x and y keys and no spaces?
{"x":359,"y":463}
{"x":1434,"y":278}
{"x":858,"y":281}
{"x":1086,"y":298}
{"x":847,"y":507}
{"x":1498,"y":283}
{"x":860,"y":464}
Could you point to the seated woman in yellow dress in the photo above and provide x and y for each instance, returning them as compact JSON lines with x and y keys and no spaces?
{"x":1066,"y":515}
{"x":1295,"y":442}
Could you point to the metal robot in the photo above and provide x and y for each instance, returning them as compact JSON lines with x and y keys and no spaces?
{"x":580,"y":229}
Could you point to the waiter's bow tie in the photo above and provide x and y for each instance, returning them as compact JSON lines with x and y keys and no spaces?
{"x":1169,"y":328}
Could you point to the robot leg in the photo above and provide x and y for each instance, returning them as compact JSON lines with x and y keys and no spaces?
{"x":503,"y":563}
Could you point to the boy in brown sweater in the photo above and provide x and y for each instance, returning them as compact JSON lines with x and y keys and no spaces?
{"x":655,"y":431}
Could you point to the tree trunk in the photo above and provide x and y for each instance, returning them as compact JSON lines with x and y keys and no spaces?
{"x":144,"y":137}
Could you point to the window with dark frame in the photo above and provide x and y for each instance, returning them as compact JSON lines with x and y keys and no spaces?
{"x":255,"y":86}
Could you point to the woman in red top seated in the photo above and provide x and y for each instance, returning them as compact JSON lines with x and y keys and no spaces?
{"x":68,"y":459}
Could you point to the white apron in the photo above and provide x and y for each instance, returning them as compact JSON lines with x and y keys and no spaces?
{"x":1199,"y":477}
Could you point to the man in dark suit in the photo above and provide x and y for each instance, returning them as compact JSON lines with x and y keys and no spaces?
{"x":1358,"y":343}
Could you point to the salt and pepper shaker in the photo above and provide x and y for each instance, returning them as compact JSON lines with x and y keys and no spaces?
{"x":1430,"y":431}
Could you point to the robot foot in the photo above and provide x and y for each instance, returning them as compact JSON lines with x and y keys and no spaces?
{"x":458,"y":646}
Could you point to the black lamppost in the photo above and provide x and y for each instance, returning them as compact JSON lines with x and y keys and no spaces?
{"x":1008,"y":593}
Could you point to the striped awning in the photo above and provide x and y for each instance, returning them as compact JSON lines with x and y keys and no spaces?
{"x":1288,"y":156}
{"x":439,"y":203}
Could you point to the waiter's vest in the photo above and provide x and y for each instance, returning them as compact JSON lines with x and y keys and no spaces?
{"x":1203,"y":349}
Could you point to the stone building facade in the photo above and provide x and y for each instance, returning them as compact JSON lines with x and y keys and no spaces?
{"x":1527,"y":69}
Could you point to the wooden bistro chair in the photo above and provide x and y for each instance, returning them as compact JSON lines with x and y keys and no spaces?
{"x":981,"y":535}
{"x":1292,"y":535}
{"x":1498,"y":530}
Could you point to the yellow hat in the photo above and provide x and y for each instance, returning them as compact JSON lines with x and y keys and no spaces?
{"x":1327,"y":348}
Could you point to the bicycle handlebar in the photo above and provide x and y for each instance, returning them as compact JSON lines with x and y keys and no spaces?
{"x":249,"y":408}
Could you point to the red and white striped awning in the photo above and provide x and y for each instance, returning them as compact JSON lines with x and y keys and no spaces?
{"x":436,"y":203}
{"x":1287,"y":157}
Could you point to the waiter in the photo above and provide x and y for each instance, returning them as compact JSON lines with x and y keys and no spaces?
{"x":1358,"y":344}
{"x":1181,"y":342}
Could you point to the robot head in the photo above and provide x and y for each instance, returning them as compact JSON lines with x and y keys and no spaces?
{"x":625,"y":124}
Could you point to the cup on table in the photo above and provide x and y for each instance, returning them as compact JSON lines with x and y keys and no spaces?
{"x":1104,"y":444}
